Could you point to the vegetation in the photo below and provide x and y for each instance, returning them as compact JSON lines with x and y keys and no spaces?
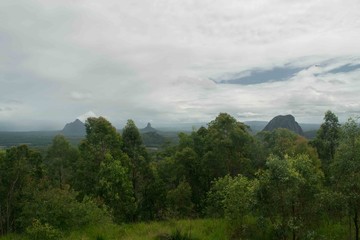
{"x":218,"y":182}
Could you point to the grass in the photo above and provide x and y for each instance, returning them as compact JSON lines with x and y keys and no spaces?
{"x":191,"y":229}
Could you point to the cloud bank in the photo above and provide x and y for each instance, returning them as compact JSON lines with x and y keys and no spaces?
{"x":160,"y":60}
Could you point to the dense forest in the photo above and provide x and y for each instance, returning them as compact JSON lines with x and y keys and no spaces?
{"x":272,"y":185}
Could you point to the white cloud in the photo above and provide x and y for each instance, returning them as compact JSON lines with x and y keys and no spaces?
{"x":86,"y":115}
{"x":154,"y":59}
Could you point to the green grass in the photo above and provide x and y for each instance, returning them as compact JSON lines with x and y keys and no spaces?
{"x":210,"y":229}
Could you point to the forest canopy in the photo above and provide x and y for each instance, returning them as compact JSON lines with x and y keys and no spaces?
{"x":272,"y":185}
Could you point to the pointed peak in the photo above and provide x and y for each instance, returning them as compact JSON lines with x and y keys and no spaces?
{"x":148,"y":128}
{"x":75,"y":128}
{"x":78,"y":121}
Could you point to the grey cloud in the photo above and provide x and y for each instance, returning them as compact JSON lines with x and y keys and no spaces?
{"x":155,"y":59}
{"x":259,"y":76}
{"x":345,"y":68}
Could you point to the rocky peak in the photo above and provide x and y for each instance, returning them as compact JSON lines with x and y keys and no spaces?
{"x":148,"y":128}
{"x":284,"y":121}
{"x":75,"y":128}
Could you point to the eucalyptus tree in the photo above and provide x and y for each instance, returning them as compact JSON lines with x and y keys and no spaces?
{"x":346,"y":170}
{"x":327,"y":139}
{"x":61,"y":159}
{"x":287,"y":195}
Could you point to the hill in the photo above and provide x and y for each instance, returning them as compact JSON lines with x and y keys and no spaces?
{"x":75,"y":128}
{"x":284,"y":121}
{"x":148,"y":129}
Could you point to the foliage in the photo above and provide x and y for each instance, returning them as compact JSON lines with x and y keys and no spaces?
{"x":327,"y":138}
{"x":115,"y":188}
{"x":142,"y":176}
{"x":101,"y":140}
{"x":39,"y":231}
{"x":17,"y":166}
{"x":234,"y":199}
{"x":273,"y":182}
{"x":228,"y":147}
{"x":60,"y":160}
{"x":179,"y":201}
{"x":59,"y":208}
{"x":287,"y":194}
{"x":346,"y":170}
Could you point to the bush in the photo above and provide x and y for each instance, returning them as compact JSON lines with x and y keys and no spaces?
{"x":39,"y":231}
{"x":60,"y":209}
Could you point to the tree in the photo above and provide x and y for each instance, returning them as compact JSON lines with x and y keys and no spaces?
{"x":116,"y":189}
{"x":60,"y":159}
{"x":142,"y":176}
{"x":101,"y":141}
{"x":189,"y":167}
{"x":287,"y":194}
{"x":179,"y":200}
{"x":228,"y":144}
{"x":327,"y":139}
{"x":346,"y":170}
{"x":17,"y":167}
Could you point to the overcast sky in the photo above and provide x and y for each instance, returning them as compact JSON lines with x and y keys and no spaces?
{"x":167,"y":61}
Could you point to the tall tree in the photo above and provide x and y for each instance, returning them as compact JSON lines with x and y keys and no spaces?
{"x":134,"y":148}
{"x":102,"y":142}
{"x":228,"y":149}
{"x":115,"y":188}
{"x":346,"y":170}
{"x":327,"y":138}
{"x":287,"y":194}
{"x":61,"y":158}
{"x":17,"y":166}
{"x":142,"y":176}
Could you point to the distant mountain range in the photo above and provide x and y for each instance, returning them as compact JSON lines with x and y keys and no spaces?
{"x":152,"y":137}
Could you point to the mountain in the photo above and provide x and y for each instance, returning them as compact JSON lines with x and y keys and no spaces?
{"x":75,"y":128}
{"x":287,"y":121}
{"x":148,"y":128}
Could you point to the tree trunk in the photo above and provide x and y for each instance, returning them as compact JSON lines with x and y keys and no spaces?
{"x":356,"y":223}
{"x":1,"y":222}
{"x":350,"y":231}
{"x":293,"y":215}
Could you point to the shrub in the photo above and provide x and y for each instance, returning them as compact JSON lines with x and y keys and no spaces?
{"x":60,"y":209}
{"x":39,"y":231}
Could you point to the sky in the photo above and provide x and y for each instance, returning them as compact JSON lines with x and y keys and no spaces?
{"x":173,"y":62}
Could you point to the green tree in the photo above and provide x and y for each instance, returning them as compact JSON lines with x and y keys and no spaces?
{"x":234,"y":199}
{"x":101,"y":141}
{"x":179,"y":200}
{"x":215,"y":197}
{"x":287,"y":195}
{"x":228,"y":147}
{"x":141,"y":174}
{"x":17,"y":167}
{"x":327,"y":139}
{"x":60,"y":160}
{"x":346,"y":170}
{"x":189,"y":167}
{"x":116,"y":189}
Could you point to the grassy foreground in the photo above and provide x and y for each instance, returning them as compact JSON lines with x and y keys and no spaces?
{"x":211,"y":229}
